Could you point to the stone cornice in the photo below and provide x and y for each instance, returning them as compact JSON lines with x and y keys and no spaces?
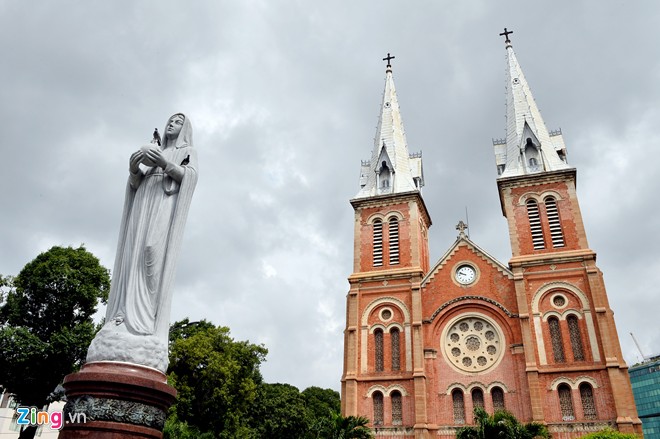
{"x":389,"y":199}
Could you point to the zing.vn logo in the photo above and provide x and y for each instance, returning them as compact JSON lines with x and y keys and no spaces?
{"x":33,"y":417}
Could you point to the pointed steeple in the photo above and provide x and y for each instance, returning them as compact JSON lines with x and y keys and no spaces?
{"x":392,"y":169}
{"x":529,"y":147}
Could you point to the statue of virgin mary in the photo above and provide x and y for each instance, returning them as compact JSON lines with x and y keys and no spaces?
{"x":160,"y":186}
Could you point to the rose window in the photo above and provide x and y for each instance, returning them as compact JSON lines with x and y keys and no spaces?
{"x":558,"y":301}
{"x":473,"y":344}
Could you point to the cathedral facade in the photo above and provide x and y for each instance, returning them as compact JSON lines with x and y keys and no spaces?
{"x":425,"y":344}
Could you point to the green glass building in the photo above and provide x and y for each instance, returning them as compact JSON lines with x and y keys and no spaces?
{"x":645,"y":380}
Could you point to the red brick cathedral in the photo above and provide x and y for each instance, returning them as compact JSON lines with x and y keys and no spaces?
{"x":426,"y":344}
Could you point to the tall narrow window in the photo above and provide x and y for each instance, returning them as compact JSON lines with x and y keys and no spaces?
{"x":587,"y":398}
{"x":377,"y":398}
{"x":394,"y":240}
{"x":378,"y":342}
{"x":397,"y":408}
{"x":498,"y":399}
{"x":478,"y":398}
{"x":566,"y":403}
{"x":378,"y":243}
{"x":555,"y":337}
{"x":535,"y":224}
{"x":459,"y":406}
{"x":396,"y":351}
{"x":556,"y":234}
{"x":576,"y":337}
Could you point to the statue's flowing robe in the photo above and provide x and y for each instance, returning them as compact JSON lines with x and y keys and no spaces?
{"x":155,"y":211}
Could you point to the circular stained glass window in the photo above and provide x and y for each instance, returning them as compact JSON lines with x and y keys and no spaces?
{"x":472,"y":343}
{"x":558,"y":301}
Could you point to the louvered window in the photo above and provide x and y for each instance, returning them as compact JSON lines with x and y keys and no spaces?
{"x":587,"y":398}
{"x":396,"y":351}
{"x":394,"y":240}
{"x":556,"y":234}
{"x":535,"y":225}
{"x":477,"y":398}
{"x":459,"y":406}
{"x":378,"y":243}
{"x":576,"y":337}
{"x":555,"y":338}
{"x":378,"y":408}
{"x":566,"y":403}
{"x":498,"y":398}
{"x":378,"y":342}
{"x":397,"y":409}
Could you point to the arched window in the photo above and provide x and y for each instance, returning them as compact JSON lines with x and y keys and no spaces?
{"x":556,"y":235}
{"x":459,"y":406}
{"x":498,"y":398}
{"x":378,"y":243}
{"x":576,"y":337}
{"x":377,"y":398}
{"x":378,"y":344}
{"x":396,"y":351}
{"x":394,"y":240}
{"x":566,"y":402}
{"x":535,"y":224}
{"x":587,"y":399}
{"x":397,"y":408}
{"x":555,"y":337}
{"x":478,"y":398}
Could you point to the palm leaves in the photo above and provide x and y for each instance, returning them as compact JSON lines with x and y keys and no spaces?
{"x":351,"y":427}
{"x":503,"y":425}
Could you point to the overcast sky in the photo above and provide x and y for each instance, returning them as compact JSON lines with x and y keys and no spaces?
{"x":284,"y":98}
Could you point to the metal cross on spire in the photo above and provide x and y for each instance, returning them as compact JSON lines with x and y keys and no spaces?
{"x":388,"y":58}
{"x":506,"y":34}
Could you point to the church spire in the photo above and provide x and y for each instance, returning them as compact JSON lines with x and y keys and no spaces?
{"x":391,"y":169}
{"x":529,"y":147}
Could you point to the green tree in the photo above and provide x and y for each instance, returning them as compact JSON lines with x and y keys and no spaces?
{"x":279,"y":412}
{"x":46,"y":322}
{"x":216,"y":379}
{"x":501,"y":424}
{"x":322,"y":405}
{"x":350,"y":427}
{"x":321,"y":402}
{"x":608,"y":433}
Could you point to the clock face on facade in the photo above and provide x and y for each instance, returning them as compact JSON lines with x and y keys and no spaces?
{"x":465,"y":274}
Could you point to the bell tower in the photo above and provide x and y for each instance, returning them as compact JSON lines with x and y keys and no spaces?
{"x":571,"y":347}
{"x":383,"y":354}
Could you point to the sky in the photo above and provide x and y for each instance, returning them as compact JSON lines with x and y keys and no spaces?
{"x":284,"y":98}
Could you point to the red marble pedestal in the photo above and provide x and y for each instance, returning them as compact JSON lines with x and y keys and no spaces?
{"x":110,"y":400}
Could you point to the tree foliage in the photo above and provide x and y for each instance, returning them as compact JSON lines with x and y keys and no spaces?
{"x":46,"y":320}
{"x":609,"y":434}
{"x":221,"y":393}
{"x":501,"y":424}
{"x":216,"y":379}
{"x":279,"y":412}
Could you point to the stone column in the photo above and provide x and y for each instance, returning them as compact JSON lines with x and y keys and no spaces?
{"x":113,"y":400}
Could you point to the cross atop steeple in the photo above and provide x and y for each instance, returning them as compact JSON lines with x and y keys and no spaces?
{"x":505,"y":34}
{"x":388,"y":58}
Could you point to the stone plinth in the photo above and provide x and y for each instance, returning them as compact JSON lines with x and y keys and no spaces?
{"x":117,"y":400}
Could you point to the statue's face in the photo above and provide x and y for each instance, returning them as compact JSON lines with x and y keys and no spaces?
{"x":174,"y":126}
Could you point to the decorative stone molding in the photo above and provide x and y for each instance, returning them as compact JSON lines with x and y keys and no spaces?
{"x":116,"y":410}
{"x":462,"y":298}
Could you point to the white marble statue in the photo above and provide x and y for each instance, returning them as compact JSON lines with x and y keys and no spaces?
{"x":160,"y":186}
